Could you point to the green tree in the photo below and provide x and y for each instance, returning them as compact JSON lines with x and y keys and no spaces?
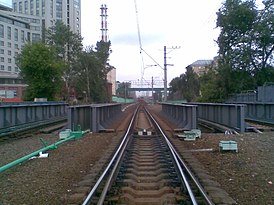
{"x":176,"y":89}
{"x":68,"y":46}
{"x":263,"y":39}
{"x":191,"y":85}
{"x":209,"y":87}
{"x":123,"y":89}
{"x":186,"y":87}
{"x":92,"y":69}
{"x":90,"y":79}
{"x":102,"y":52}
{"x":41,"y":70}
{"x":236,"y":20}
{"x":246,"y":44}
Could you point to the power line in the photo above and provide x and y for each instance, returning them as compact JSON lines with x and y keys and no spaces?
{"x":140,"y":43}
{"x":138,"y":26}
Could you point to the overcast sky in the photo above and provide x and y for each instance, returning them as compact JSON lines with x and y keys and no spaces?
{"x":188,"y":24}
{"x":184,"y":23}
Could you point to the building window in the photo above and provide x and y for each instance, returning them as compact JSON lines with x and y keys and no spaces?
{"x":2,"y":43}
{"x":16,"y":46}
{"x":37,"y":8}
{"x":43,"y":8}
{"x":31,"y":7}
{"x":77,"y":4}
{"x":35,"y":37}
{"x":22,"y":36}
{"x":2,"y":51}
{"x":9,"y":52}
{"x":20,"y":7}
{"x":2,"y":67}
{"x":9,"y":44}
{"x":9,"y":33}
{"x":28,"y":36}
{"x":51,"y":8}
{"x":1,"y":31}
{"x":9,"y":60}
{"x":9,"y":68}
{"x":15,"y":7}
{"x":59,"y":9}
{"x":16,"y":34}
{"x":2,"y":60}
{"x":26,"y":5}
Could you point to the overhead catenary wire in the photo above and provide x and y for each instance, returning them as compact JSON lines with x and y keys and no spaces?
{"x":140,"y":43}
{"x":138,"y":26}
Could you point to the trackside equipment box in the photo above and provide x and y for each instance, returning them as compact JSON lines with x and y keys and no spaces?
{"x":228,"y":146}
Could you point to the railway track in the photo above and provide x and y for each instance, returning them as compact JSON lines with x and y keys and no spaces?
{"x":24,"y":130}
{"x":146,"y":169}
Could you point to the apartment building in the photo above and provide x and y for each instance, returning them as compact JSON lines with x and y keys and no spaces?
{"x":15,"y":31}
{"x":25,"y":22}
{"x":68,"y":11}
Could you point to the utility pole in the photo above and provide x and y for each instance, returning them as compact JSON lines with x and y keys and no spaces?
{"x":125,"y":93}
{"x":152,"y":89}
{"x":165,"y":71}
{"x":165,"y":76}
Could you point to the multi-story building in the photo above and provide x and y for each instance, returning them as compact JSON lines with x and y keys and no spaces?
{"x":25,"y":22}
{"x":50,"y":11}
{"x":15,"y":30}
{"x":11,"y":86}
{"x":200,"y":66}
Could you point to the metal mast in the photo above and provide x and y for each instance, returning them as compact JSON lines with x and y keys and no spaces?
{"x":104,"y":29}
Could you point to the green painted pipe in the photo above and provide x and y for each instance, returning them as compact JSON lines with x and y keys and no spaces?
{"x":73,"y":135}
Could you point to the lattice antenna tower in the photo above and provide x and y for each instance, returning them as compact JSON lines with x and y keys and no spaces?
{"x":104,"y":27}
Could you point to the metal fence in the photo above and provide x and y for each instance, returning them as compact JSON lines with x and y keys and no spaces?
{"x":230,"y":115}
{"x":262,"y":94}
{"x":95,"y":117}
{"x":260,"y":111}
{"x":20,"y":114}
{"x":183,"y":115}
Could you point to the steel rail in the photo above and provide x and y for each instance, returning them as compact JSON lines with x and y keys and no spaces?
{"x":260,"y":121}
{"x":118,"y":155}
{"x":178,"y":158}
{"x":106,"y":187}
{"x":121,"y":146}
{"x":189,"y":190}
{"x":30,"y":126}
